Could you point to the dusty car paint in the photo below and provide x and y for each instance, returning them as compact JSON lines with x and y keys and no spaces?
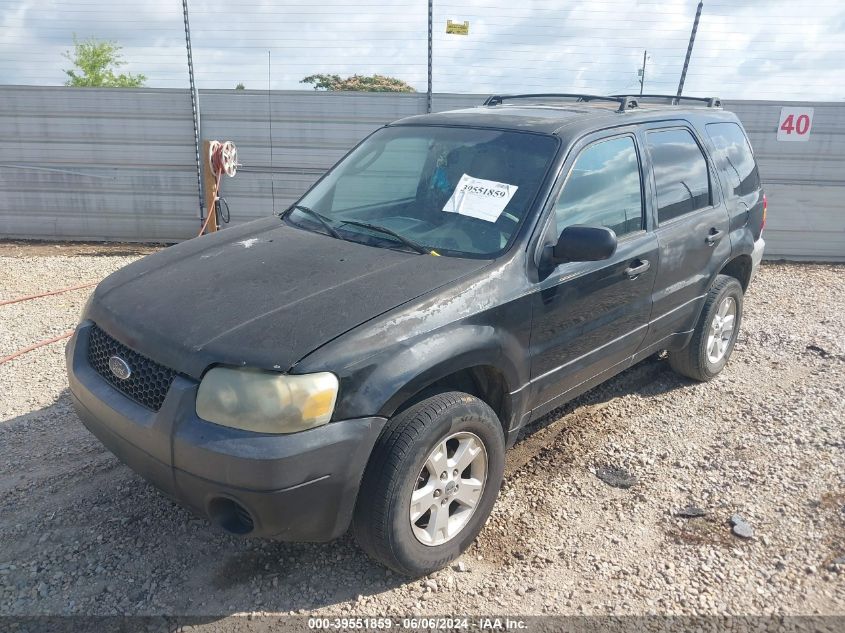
{"x":217,"y":301}
{"x":487,"y":318}
{"x":390,"y":323}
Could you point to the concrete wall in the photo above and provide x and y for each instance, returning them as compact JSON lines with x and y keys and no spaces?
{"x":112,"y":164}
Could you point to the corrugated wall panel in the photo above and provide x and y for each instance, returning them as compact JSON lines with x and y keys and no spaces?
{"x":805,"y":221}
{"x":441,"y":102}
{"x":119,"y":164}
{"x":804,"y":181}
{"x":83,"y":163}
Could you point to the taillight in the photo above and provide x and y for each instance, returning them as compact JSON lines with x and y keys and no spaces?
{"x":765,"y":208}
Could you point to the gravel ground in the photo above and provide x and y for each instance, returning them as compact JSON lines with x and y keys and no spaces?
{"x":82,"y":534}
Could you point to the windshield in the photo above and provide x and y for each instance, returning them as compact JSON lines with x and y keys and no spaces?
{"x":453,"y":191}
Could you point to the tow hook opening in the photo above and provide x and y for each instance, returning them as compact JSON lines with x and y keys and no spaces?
{"x":231,"y":516}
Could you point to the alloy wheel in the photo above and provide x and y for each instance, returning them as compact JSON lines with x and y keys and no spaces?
{"x":721,"y":330}
{"x":448,"y":488}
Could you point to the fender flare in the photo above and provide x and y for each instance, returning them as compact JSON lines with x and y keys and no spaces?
{"x":400,"y":373}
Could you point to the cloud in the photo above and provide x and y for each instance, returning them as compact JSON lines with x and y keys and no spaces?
{"x":744,"y":49}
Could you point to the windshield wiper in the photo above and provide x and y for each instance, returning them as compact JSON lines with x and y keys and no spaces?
{"x":320,"y":218}
{"x":422,"y":250}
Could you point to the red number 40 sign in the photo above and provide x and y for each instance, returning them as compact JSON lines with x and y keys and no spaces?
{"x":795,"y":124}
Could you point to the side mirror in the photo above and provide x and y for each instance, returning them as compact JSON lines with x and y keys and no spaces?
{"x":579,"y":243}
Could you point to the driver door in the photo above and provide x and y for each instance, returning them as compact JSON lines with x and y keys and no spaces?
{"x":589,"y":318}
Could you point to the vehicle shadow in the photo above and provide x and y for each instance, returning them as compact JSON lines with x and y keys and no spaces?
{"x":80,"y":533}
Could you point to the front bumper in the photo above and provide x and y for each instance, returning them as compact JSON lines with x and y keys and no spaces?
{"x":757,"y":256}
{"x":299,"y":487}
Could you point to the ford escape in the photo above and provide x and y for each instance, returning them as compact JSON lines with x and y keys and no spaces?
{"x":365,"y":357}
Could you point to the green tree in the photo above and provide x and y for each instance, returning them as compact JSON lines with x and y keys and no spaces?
{"x":96,"y":63}
{"x":358,"y":83}
{"x":240,"y":86}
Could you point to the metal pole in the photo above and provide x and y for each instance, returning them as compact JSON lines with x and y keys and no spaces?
{"x":270,"y":128}
{"x":642,"y":75}
{"x":689,"y":48}
{"x":195,"y":105}
{"x":430,"y":54}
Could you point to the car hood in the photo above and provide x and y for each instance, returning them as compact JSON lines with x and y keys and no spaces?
{"x":264,"y":294}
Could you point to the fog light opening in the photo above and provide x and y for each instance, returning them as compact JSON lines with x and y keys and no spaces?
{"x":231,"y":516}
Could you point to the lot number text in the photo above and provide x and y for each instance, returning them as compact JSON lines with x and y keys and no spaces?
{"x":795,"y":124}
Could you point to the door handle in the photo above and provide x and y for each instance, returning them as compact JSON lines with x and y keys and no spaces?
{"x":714,"y":236}
{"x":633,"y":272}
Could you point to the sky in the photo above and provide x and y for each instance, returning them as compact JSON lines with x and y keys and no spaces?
{"x":745,"y":49}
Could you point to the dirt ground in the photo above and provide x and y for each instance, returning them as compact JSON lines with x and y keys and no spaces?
{"x":31,"y":248}
{"x":80,"y":533}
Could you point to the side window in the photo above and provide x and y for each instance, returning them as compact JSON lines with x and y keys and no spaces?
{"x":680,"y":173}
{"x":389,"y":176}
{"x":604,"y":188}
{"x":734,"y":157}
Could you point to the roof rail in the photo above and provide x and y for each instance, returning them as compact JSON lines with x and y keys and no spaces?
{"x":711,"y":102}
{"x":625,"y":102}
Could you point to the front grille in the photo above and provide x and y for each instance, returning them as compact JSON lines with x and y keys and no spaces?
{"x":148,"y":381}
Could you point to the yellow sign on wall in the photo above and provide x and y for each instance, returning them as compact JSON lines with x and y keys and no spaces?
{"x":456,"y":28}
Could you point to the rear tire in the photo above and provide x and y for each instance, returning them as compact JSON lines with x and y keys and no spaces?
{"x":396,"y":517}
{"x":715,"y":334}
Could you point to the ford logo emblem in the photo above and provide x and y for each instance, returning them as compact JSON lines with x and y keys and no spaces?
{"x":120,"y":367}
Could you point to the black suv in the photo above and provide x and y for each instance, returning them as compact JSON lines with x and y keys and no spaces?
{"x":366,"y":356}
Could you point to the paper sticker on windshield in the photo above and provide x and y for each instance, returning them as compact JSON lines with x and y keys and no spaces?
{"x":478,"y":198}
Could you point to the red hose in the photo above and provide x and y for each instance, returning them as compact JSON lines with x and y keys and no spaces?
{"x":47,"y":294}
{"x":6,"y":359}
{"x":13,"y":356}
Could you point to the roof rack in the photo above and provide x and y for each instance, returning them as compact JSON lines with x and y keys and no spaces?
{"x":625,"y":102}
{"x":711,"y":102}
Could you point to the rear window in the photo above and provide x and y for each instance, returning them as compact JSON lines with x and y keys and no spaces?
{"x":680,"y":173}
{"x":734,"y":158}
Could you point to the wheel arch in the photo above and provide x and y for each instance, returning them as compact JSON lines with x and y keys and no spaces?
{"x":485,"y":382}
{"x":479,"y":360}
{"x":739,"y":268}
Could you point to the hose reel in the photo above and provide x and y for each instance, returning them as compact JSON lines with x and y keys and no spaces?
{"x":222,"y":159}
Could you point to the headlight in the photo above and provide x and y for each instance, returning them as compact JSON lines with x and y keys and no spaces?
{"x":266,"y":402}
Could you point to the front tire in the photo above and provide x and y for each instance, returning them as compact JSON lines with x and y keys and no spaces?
{"x":715,"y":334}
{"x":430,"y":484}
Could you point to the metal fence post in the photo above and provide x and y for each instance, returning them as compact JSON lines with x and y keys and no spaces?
{"x":689,"y":48}
{"x":195,"y":105}
{"x":430,"y":54}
